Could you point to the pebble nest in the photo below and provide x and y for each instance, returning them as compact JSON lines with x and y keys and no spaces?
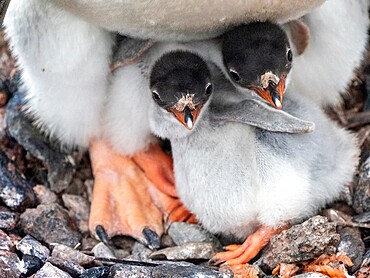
{"x":45,"y":195}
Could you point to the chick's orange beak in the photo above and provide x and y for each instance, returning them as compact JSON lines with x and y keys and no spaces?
{"x":273,"y":94}
{"x":187,"y":116}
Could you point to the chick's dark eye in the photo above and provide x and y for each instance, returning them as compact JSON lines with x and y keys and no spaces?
{"x":208,"y":89}
{"x":289,"y":55}
{"x":234,"y":75}
{"x":156,"y":96}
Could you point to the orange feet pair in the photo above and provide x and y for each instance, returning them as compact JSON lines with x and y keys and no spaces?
{"x":131,"y":195}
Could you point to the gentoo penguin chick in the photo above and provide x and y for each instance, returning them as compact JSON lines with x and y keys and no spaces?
{"x":242,"y":180}
{"x":258,"y":56}
{"x":186,"y":98}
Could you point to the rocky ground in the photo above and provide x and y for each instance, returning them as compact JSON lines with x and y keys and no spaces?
{"x":44,"y":208}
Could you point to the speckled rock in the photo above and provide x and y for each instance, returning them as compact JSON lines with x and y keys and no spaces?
{"x":352,"y":245}
{"x":96,"y":272}
{"x":5,"y":242}
{"x":69,"y":254}
{"x":140,"y":252}
{"x":78,"y":209}
{"x":15,"y":191}
{"x":103,"y":251}
{"x":361,"y":196}
{"x":31,"y":264}
{"x":172,"y":270}
{"x":60,"y":164}
{"x":187,"y":251}
{"x":30,"y":246}
{"x":8,"y":219}
{"x":182,"y":232}
{"x":311,"y":275}
{"x":302,"y":242}
{"x":44,"y":195}
{"x":48,"y":270}
{"x":50,"y":223}
{"x":10,"y":265}
{"x":69,"y":266}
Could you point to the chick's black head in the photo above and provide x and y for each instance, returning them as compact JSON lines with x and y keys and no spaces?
{"x":251,"y":50}
{"x":179,"y":74}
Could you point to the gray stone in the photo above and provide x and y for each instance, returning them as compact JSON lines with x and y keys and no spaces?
{"x":140,"y":252}
{"x":30,"y":246}
{"x":50,"y":223}
{"x":103,"y":251}
{"x":48,"y":270}
{"x":182,"y":232}
{"x":8,"y":219}
{"x":352,"y":245}
{"x":10,"y":265}
{"x":69,"y":254}
{"x":69,"y":266}
{"x":95,"y":272}
{"x":60,"y":164}
{"x":361,"y":196}
{"x":31,"y":264}
{"x":44,"y":195}
{"x":187,"y":251}
{"x":5,"y":242}
{"x":301,"y":242}
{"x":78,"y":209}
{"x":15,"y":191}
{"x":165,"y":270}
{"x":311,"y":275}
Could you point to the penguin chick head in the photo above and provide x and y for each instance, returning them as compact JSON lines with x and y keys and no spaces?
{"x":180,"y":82}
{"x":257,"y":56}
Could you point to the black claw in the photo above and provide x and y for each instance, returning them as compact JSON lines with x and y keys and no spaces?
{"x":102,"y":234}
{"x":152,"y":238}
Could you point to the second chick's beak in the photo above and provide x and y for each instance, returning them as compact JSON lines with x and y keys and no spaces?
{"x":186,"y":112}
{"x":272,"y":89}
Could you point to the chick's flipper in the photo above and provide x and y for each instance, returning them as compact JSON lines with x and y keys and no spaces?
{"x":242,"y":254}
{"x":121,"y":201}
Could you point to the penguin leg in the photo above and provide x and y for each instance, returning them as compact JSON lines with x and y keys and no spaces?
{"x":121,"y":201}
{"x":158,"y":167}
{"x":242,"y":254}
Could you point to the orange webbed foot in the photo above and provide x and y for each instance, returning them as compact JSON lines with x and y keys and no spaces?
{"x":158,"y":167}
{"x":121,"y":202}
{"x":242,"y":254}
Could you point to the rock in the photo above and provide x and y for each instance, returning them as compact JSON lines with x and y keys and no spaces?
{"x":363,"y":272}
{"x":15,"y":191}
{"x":44,"y":195}
{"x":79,"y":210}
{"x":103,"y":251}
{"x":352,"y":245}
{"x":50,"y":223}
{"x":96,"y":272}
{"x":362,"y":218}
{"x":175,"y":270}
{"x":31,"y":264}
{"x":48,"y":270}
{"x":301,"y":242}
{"x":60,"y":164}
{"x":30,"y":246}
{"x":366,"y":259}
{"x":191,"y":271}
{"x":69,"y":254}
{"x":69,"y":266}
{"x":187,"y":251}
{"x":5,"y":242}
{"x":361,"y":195}
{"x":10,"y":265}
{"x":8,"y":219}
{"x":88,"y":243}
{"x":311,"y":275}
{"x":140,"y":252}
{"x":182,"y":232}
{"x":123,"y":270}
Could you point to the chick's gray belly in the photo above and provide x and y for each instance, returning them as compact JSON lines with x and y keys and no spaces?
{"x":215,"y":178}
